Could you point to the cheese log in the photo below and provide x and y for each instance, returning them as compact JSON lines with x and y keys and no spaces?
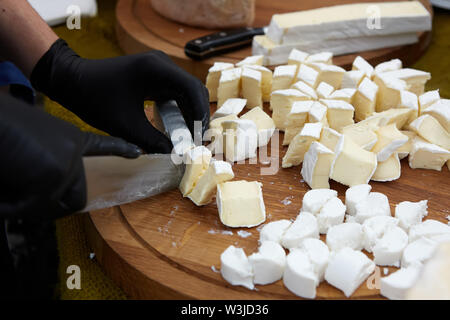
{"x":362,"y":65}
{"x":316,"y":166}
{"x":329,"y":73}
{"x":296,"y":119}
{"x":375,"y":204}
{"x":389,"y":91}
{"x":427,"y":99}
{"x":300,"y":144}
{"x":283,"y":77}
{"x":389,"y":140}
{"x":306,"y":89}
{"x":440,"y":110}
{"x":235,"y":267}
{"x":241,"y":203}
{"x":352,"y":165}
{"x":365,"y":99}
{"x":318,"y":253}
{"x":240,"y":139}
{"x":388,"y":170}
{"x":229,"y":85}
{"x":352,"y":79}
{"x":339,"y":113}
{"x":405,"y":149}
{"x":394,"y":64}
{"x":268,"y":263}
{"x":425,"y":155}
{"x":204,"y":190}
{"x":197,"y":161}
{"x":232,"y":106}
{"x":252,"y":87}
{"x":431,"y":130}
{"x":345,"y":94}
{"x":297,"y":57}
{"x":415,"y":79}
{"x":212,"y":79}
{"x":264,"y":124}
{"x":330,"y":138}
{"x":281,"y":103}
{"x":396,"y":285}
{"x":430,"y":229}
{"x":324,"y":90}
{"x":251,"y":60}
{"x":266,"y":80}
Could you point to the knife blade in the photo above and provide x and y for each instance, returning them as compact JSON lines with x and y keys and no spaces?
{"x":113,"y":180}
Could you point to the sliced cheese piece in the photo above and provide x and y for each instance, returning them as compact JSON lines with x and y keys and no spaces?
{"x":306,"y":89}
{"x":281,"y":103}
{"x":410,"y":213}
{"x":297,"y":57}
{"x":339,"y":113}
{"x":352,"y":79}
{"x":427,"y":99}
{"x":394,"y":64}
{"x":235,"y":267}
{"x":316,"y":166}
{"x":304,"y":226}
{"x":300,"y":144}
{"x":330,"y":138}
{"x":241,"y":203}
{"x":374,"y":229}
{"x":365,"y":99}
{"x":274,"y":231}
{"x":345,"y":94}
{"x":425,"y":155}
{"x":217,"y":122}
{"x":347,"y":269}
{"x":314,"y":200}
{"x":256,"y":60}
{"x":398,"y":116}
{"x":396,"y":285}
{"x":283,"y":77}
{"x":299,"y":276}
{"x":266,"y":81}
{"x":375,"y":204}
{"x":214,"y":133}
{"x":431,"y":130}
{"x":345,"y":235}
{"x":405,"y":149}
{"x":264,"y":124}
{"x":252,"y":87}
{"x":296,"y":119}
{"x":197,"y":161}
{"x":440,"y":110}
{"x":428,"y":229}
{"x":389,"y":92}
{"x":320,"y":57}
{"x":318,"y":113}
{"x":331,"y":214}
{"x":268,"y":263}
{"x":318,"y":253}
{"x":362,"y":134}
{"x":329,"y":73}
{"x":354,"y":195}
{"x":418,"y":252}
{"x":308,"y":75}
{"x":389,"y":140}
{"x":204,"y":190}
{"x":410,"y":101}
{"x":388,"y":170}
{"x":324,"y":90}
{"x":232,"y":106}
{"x":389,"y":249}
{"x":229,"y":85}
{"x":240,"y":139}
{"x":362,"y":65}
{"x":213,"y":77}
{"x":352,"y":165}
{"x":415,"y":79}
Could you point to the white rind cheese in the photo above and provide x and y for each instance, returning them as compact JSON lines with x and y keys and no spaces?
{"x":389,"y":140}
{"x":283,"y":77}
{"x":362,"y":65}
{"x":213,"y":77}
{"x":339,"y":113}
{"x":394,"y":64}
{"x":388,"y":170}
{"x":426,"y":155}
{"x":252,"y":87}
{"x":431,"y":130}
{"x":240,"y":139}
{"x":306,"y":89}
{"x":281,"y":103}
{"x":235,"y":267}
{"x":229,"y":107}
{"x":229,"y":85}
{"x":316,"y":166}
{"x":297,"y":57}
{"x":440,"y":110}
{"x":365,"y":99}
{"x":296,"y":119}
{"x":251,"y":60}
{"x":197,"y":162}
{"x":427,"y":99}
{"x":264,"y":124}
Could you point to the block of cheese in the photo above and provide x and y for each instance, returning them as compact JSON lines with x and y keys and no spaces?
{"x":415,"y":79}
{"x":425,"y":155}
{"x":362,"y":65}
{"x":266,"y":80}
{"x":297,"y":57}
{"x":264,"y":124}
{"x":344,"y":235}
{"x":440,"y":110}
{"x":375,"y":204}
{"x":318,"y":113}
{"x":318,"y":253}
{"x":347,"y":269}
{"x":324,"y":90}
{"x":345,"y":94}
{"x":314,"y":200}
{"x":352,"y":165}
{"x":374,"y":228}
{"x":296,"y":119}
{"x":394,"y":64}
{"x":410,"y":213}
{"x":405,"y":149}
{"x":235,"y":267}
{"x":354,"y":195}
{"x":212,"y":79}
{"x":240,"y":139}
{"x":320,"y":57}
{"x":316,"y":166}
{"x":274,"y":231}
{"x":329,"y":73}
{"x":339,"y":113}
{"x":346,"y":21}
{"x":389,"y":140}
{"x":362,"y":134}
{"x":431,"y":130}
{"x":232,"y":106}
{"x":352,"y":79}
{"x":330,"y":138}
{"x":241,"y":203}
{"x":252,"y":87}
{"x":281,"y":103}
{"x":396,"y":285}
{"x":427,"y":99}
{"x":299,"y":276}
{"x":300,"y":144}
{"x":389,"y":91}
{"x":305,"y":88}
{"x":410,"y":101}
{"x":304,"y":226}
{"x":331,"y":214}
{"x":388,"y":170}
{"x":283,"y":77}
{"x":268,"y":263}
{"x":229,"y":85}
{"x":251,"y":60}
{"x":389,"y":249}
{"x":197,"y":161}
{"x":365,"y":99}
{"x":308,"y":75}
{"x":429,"y":229}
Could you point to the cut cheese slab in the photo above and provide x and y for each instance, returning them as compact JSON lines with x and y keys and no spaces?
{"x":235,"y":267}
{"x":394,"y":64}
{"x":283,"y":77}
{"x":240,"y":139}
{"x":297,"y":57}
{"x":318,"y":113}
{"x":362,"y":65}
{"x":252,"y":87}
{"x":440,"y":110}
{"x":324,"y":90}
{"x":365,"y":99}
{"x":300,"y":144}
{"x":427,"y":99}
{"x":389,"y":140}
{"x":361,"y":133}
{"x":197,"y":161}
{"x":266,"y":80}
{"x":296,"y":119}
{"x":389,"y":92}
{"x":339,"y":113}
{"x":251,"y":60}
{"x":306,"y":89}
{"x":388,"y":170}
{"x":229,"y":85}
{"x":405,"y":149}
{"x":415,"y":79}
{"x":316,"y":166}
{"x":241,"y":203}
{"x":264,"y":124}
{"x":353,"y":165}
{"x":268,"y":263}
{"x":308,"y":75}
{"x":329,"y":73}
{"x":431,"y":130}
{"x":232,"y":106}
{"x":330,"y":138}
{"x":212,"y":79}
{"x":281,"y":103}
{"x":204,"y":190}
{"x":345,"y":94}
{"x":425,"y":155}
{"x":352,"y":79}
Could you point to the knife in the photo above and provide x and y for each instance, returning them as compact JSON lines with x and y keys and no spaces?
{"x":221,"y":42}
{"x":113,"y":180}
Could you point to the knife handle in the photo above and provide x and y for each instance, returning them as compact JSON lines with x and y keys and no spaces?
{"x":220,"y":42}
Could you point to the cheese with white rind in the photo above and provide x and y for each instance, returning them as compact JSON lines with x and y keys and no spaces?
{"x":212,"y":79}
{"x":273,"y":231}
{"x":240,"y":139}
{"x":352,"y":79}
{"x":264,"y":124}
{"x":318,"y":113}
{"x":297,"y":57}
{"x":345,"y":235}
{"x":415,"y":79}
{"x":316,"y":166}
{"x":318,"y":253}
{"x":320,"y":57}
{"x":388,"y":170}
{"x":251,"y":87}
{"x":339,"y":113}
{"x":374,"y":229}
{"x":410,"y":101}
{"x":375,"y":204}
{"x":405,"y":149}
{"x":305,"y":88}
{"x":427,"y":99}
{"x":235,"y":267}
{"x":330,"y":138}
{"x":361,"y":134}
{"x":389,"y":249}
{"x":214,"y":134}
{"x":394,"y":64}
{"x":431,"y":130}
{"x":229,"y":85}
{"x":314,"y":200}
{"x":428,"y":229}
{"x":347,"y":269}
{"x":396,"y":285}
{"x":308,"y":75}
{"x":197,"y":162}
{"x":296,"y":119}
{"x":411,"y":213}
{"x":345,"y":94}
{"x":418,"y":252}
{"x":440,"y":110}
{"x":266,"y":80}
{"x":304,"y":226}
{"x":229,"y":107}
{"x":332,"y":213}
{"x":329,"y":73}
{"x":354,"y":195}
{"x":389,"y":91}
{"x":268,"y":263}
{"x":365,"y":99}
{"x":281,"y":103}
{"x":389,"y":140}
{"x":299,"y":276}
{"x":283,"y":77}
{"x":425,"y":155}
{"x":324,"y":90}
{"x":241,"y":203}
{"x":362,"y":65}
{"x":250,"y":60}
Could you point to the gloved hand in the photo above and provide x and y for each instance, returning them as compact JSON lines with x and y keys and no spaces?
{"x":109,"y":94}
{"x":41,"y":168}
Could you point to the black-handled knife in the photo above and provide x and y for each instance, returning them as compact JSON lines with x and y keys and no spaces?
{"x":221,"y":42}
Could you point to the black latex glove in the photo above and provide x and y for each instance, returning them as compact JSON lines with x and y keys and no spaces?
{"x":109,"y":94}
{"x":41,"y":168}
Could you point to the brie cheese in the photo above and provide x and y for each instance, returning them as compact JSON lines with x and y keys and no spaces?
{"x":389,"y":140}
{"x":329,"y":73}
{"x":324,"y":90}
{"x":345,"y":94}
{"x":229,"y":85}
{"x":308,"y":75}
{"x":388,"y":170}
{"x":306,"y":89}
{"x":297,"y":57}
{"x":232,"y":106}
{"x":330,"y":138}
{"x":427,"y":99}
{"x":362,"y":65}
{"x":283,"y":77}
{"x":415,"y":79}
{"x":197,"y":161}
{"x":264,"y":124}
{"x":365,"y":99}
{"x":426,"y":155}
{"x":339,"y":113}
{"x":240,"y":139}
{"x":212,"y":79}
{"x":266,"y":80}
{"x":352,"y":79}
{"x":296,"y":119}
{"x":316,"y":166}
{"x":252,"y":87}
{"x":431,"y":130}
{"x":440,"y":110}
{"x":281,"y":103}
{"x":251,"y":60}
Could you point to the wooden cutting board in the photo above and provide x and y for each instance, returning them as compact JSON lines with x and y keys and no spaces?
{"x":165,"y":247}
{"x":139,"y":28}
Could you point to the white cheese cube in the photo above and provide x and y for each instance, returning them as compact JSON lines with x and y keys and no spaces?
{"x":257,"y":60}
{"x":316,"y":166}
{"x":241,"y":203}
{"x":345,"y":235}
{"x":388,"y":170}
{"x":394,"y":64}
{"x":273,"y":231}
{"x":304,"y":226}
{"x":362,"y":65}
{"x":264,"y":124}
{"x":318,"y":113}
{"x":389,"y":249}
{"x":240,"y":139}
{"x":374,"y":229}
{"x":229,"y":85}
{"x":339,"y":113}
{"x":214,"y":133}
{"x":375,"y":204}
{"x":428,"y":229}
{"x":415,"y":79}
{"x":418,"y":252}
{"x":314,"y":200}
{"x":266,"y":81}
{"x":308,"y":75}
{"x":324,"y":90}
{"x":330,"y":138}
{"x":352,"y":79}
{"x":281,"y":103}
{"x":232,"y":106}
{"x":235,"y":267}
{"x":362,"y":134}
{"x":297,"y":57}
{"x":328,"y":73}
{"x":283,"y":77}
{"x":299,"y":275}
{"x":320,"y":57}
{"x":405,"y":149}
{"x":365,"y":99}
{"x":268,"y":263}
{"x":389,"y":140}
{"x":296,"y":119}
{"x":305,"y":88}
{"x":213,"y":77}
{"x":427,"y":99}
{"x":345,"y":94}
{"x":389,"y":93}
{"x":426,"y":155}
{"x":410,"y":213}
{"x":197,"y":162}
{"x":354,"y":195}
{"x":331,"y":214}
{"x":396,"y":285}
{"x":440,"y":110}
{"x":252,"y":87}
{"x":347,"y":270}
{"x":431,"y":130}
{"x":409,"y":100}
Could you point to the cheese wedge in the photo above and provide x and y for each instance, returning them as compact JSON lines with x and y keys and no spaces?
{"x":427,"y":99}
{"x":205,"y":189}
{"x":241,"y":203}
{"x":394,"y":64}
{"x":410,"y":101}
{"x":232,"y":106}
{"x":240,"y":139}
{"x":352,"y":79}
{"x":425,"y":155}
{"x":281,"y":102}
{"x":388,"y":170}
{"x":283,"y":77}
{"x":324,"y":90}
{"x":252,"y":87}
{"x":264,"y":124}
{"x":389,"y":140}
{"x":330,"y":138}
{"x":308,"y":75}
{"x":266,"y":81}
{"x":405,"y":149}
{"x":345,"y":94}
{"x":318,"y":113}
{"x":362,"y":65}
{"x":431,"y":130}
{"x":389,"y":92}
{"x":197,"y":161}
{"x":251,"y":60}
{"x":365,"y":99}
{"x":440,"y":110}
{"x":296,"y":119}
{"x":362,"y":134}
{"x":300,"y":144}
{"x":229,"y":85}
{"x":212,"y":79}
{"x":415,"y":79}
{"x":306,"y":89}
{"x":316,"y":166}
{"x":297,"y":57}
{"x":321,"y":57}
{"x":339,"y":113}
{"x":352,"y":165}
{"x":329,"y":73}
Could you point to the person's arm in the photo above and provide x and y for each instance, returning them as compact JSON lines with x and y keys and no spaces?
{"x":24,"y":36}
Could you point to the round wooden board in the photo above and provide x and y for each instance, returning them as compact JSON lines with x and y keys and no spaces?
{"x":165,"y":247}
{"x":139,"y":28}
